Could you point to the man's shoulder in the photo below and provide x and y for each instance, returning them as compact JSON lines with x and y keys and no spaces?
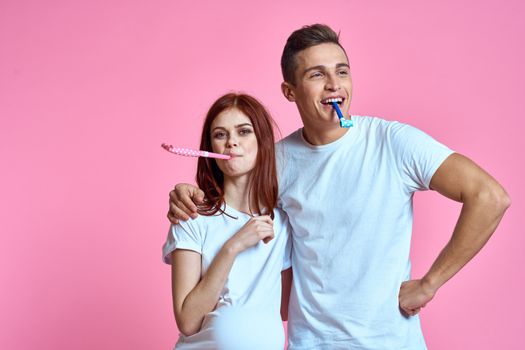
{"x":365,"y":126}
{"x":291,"y":138}
{"x":372,"y":122}
{"x":287,"y":146}
{"x":383,"y":130}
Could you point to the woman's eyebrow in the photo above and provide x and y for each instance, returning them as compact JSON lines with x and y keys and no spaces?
{"x":243,"y":124}
{"x":235,"y":126}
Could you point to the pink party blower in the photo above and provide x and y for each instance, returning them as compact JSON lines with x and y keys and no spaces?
{"x":193,"y":153}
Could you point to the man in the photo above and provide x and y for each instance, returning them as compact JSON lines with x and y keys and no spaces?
{"x":348,"y":194}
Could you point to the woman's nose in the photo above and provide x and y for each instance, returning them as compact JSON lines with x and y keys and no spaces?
{"x":232,"y":142}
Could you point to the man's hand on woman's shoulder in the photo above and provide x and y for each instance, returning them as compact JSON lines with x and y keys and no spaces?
{"x":183,"y":200}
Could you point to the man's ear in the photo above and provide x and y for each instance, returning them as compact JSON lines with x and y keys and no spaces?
{"x":288,"y":91}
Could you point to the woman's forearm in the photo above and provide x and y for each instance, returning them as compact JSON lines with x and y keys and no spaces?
{"x":204,"y":297}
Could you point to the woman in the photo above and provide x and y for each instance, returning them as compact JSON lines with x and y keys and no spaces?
{"x":233,"y":253}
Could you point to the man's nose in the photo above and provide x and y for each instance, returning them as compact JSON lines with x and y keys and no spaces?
{"x":332,"y":83}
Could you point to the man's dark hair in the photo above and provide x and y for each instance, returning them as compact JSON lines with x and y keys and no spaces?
{"x":302,"y":39}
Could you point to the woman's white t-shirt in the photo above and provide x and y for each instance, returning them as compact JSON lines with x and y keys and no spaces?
{"x":254,"y":282}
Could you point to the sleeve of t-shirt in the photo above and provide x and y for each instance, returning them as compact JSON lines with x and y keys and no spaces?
{"x":418,"y":156}
{"x":185,"y":235}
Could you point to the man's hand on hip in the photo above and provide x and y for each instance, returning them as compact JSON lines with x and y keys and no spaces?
{"x":413,"y":295}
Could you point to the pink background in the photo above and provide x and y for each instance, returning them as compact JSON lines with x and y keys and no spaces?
{"x":89,"y":90}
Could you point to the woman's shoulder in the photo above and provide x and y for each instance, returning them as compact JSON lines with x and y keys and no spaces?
{"x":198,"y":226}
{"x":221,"y":218}
{"x":203,"y":221}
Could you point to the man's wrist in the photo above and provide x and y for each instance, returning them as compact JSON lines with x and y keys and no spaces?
{"x":430,"y":284}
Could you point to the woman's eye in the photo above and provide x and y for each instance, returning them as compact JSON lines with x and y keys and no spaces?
{"x":219,"y":135}
{"x":245,"y":131}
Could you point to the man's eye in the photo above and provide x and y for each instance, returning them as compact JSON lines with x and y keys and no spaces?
{"x":343,"y":72}
{"x":316,"y":75}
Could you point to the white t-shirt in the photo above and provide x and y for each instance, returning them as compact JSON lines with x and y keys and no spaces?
{"x":254,"y":282}
{"x":350,"y":207}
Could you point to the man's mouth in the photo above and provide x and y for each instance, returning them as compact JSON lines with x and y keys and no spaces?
{"x":328,"y":101}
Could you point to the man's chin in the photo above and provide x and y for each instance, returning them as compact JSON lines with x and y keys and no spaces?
{"x":322,"y":119}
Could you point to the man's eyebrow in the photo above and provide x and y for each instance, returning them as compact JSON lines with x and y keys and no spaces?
{"x":322,"y":67}
{"x":318,"y":67}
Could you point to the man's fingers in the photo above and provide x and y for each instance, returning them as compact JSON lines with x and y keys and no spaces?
{"x":406,"y":312}
{"x":172,"y":219}
{"x":185,"y":202}
{"x":187,"y":194}
{"x":184,"y":207}
{"x":410,"y":312}
{"x":182,"y":199}
{"x":198,"y":196}
{"x":414,"y":312}
{"x":178,"y":213}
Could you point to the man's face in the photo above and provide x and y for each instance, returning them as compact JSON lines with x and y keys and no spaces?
{"x":322,"y":74}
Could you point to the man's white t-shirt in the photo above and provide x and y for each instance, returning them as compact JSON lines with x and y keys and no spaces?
{"x":350,"y":207}
{"x":254,"y":282}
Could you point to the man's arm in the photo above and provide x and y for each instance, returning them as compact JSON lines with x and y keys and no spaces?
{"x":286,"y":280}
{"x":484,"y":203}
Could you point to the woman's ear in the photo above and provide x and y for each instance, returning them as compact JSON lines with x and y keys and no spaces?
{"x":288,"y":91}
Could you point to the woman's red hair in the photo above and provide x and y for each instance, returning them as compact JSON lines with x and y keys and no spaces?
{"x":263,"y":182}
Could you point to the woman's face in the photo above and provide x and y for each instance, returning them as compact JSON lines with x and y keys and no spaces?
{"x":232,"y":134}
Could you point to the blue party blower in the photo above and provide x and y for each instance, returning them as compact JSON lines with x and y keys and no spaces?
{"x":344,"y":123}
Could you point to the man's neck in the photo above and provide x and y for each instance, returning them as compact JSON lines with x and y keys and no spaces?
{"x":318,"y":137}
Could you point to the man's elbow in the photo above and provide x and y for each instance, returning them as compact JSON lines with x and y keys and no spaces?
{"x":502,"y":199}
{"x":497,"y":198}
{"x":506,"y":201}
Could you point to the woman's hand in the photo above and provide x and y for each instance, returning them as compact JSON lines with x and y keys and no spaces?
{"x":256,"y":229}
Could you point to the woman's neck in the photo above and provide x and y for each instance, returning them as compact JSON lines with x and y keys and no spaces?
{"x":237,"y":194}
